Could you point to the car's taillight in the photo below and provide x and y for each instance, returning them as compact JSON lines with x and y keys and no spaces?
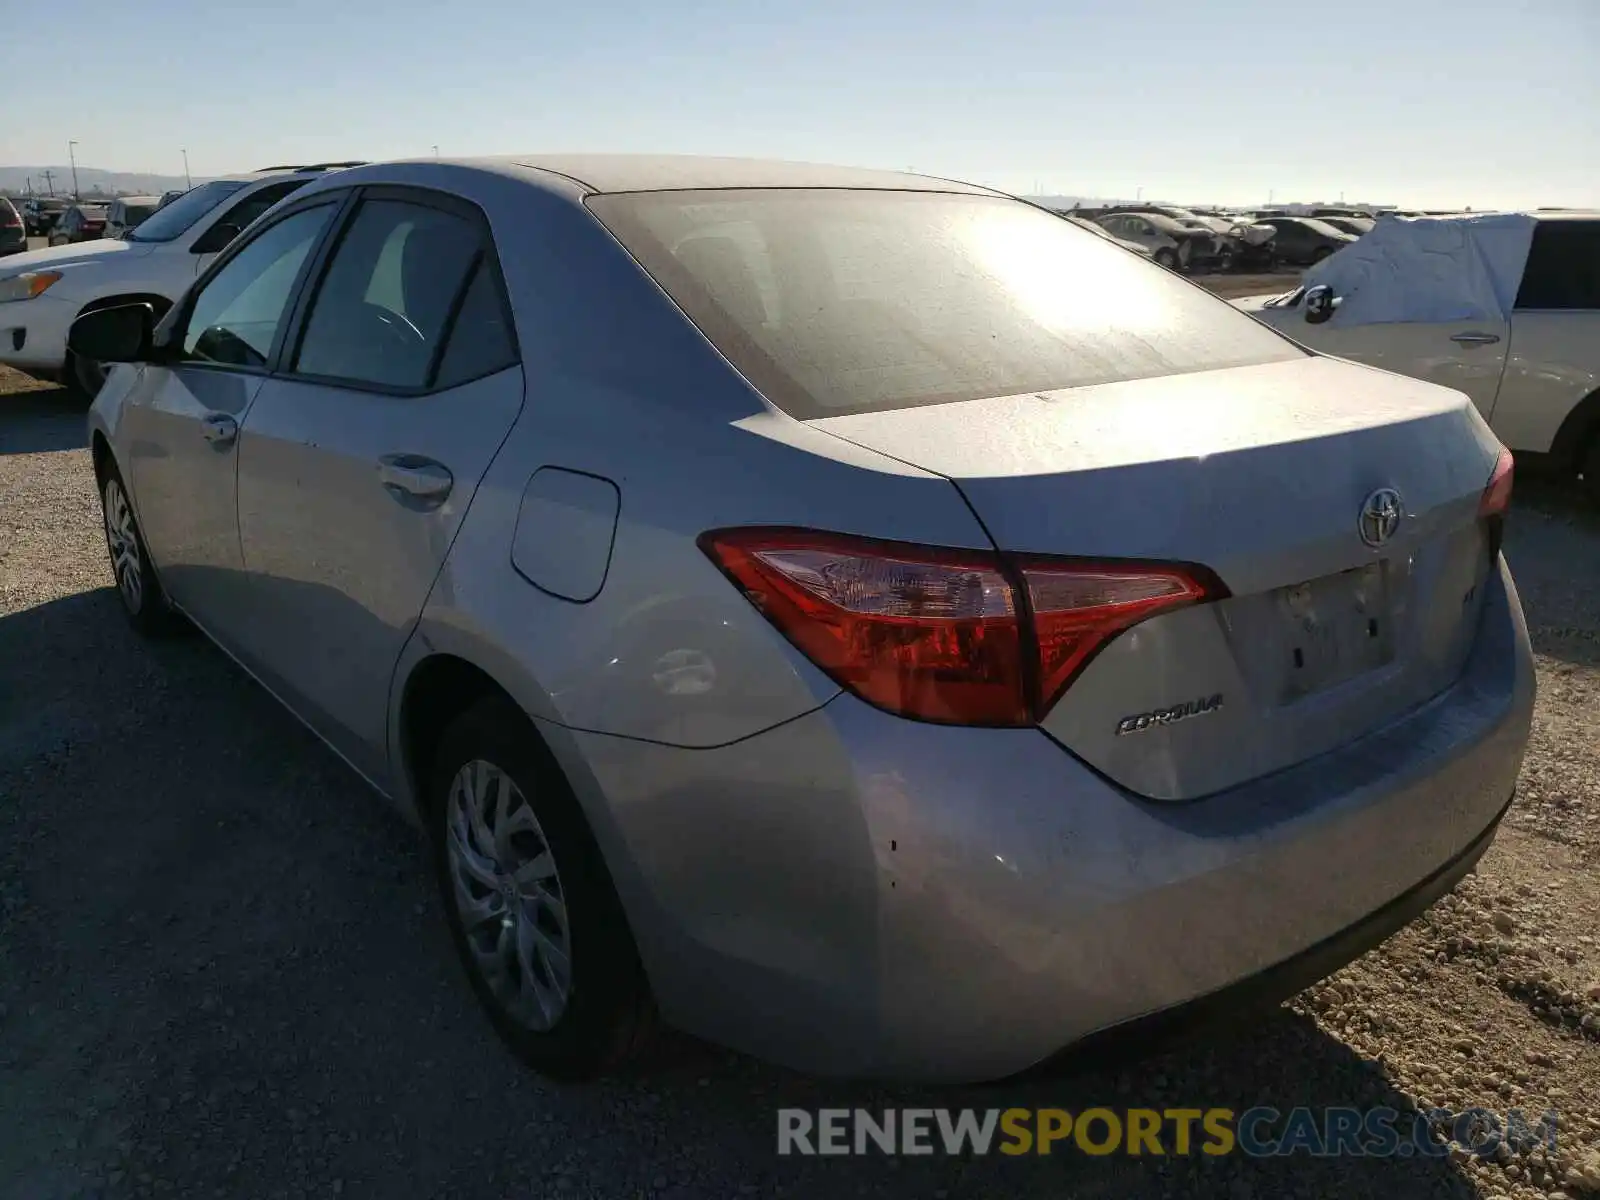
{"x":1497,"y":492}
{"x":962,"y":637}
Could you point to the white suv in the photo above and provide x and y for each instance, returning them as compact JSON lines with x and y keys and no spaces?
{"x":44,"y":291}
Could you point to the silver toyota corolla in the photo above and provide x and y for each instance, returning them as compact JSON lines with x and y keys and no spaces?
{"x":861,"y":618}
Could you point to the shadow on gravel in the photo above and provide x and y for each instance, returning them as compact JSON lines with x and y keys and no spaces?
{"x":1553,"y":546}
{"x":41,"y":421}
{"x":225,"y":973}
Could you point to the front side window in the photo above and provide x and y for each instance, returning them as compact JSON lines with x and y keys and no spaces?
{"x":174,"y":219}
{"x":870,"y":300}
{"x":236,"y":316}
{"x":1563,"y":269}
{"x":380,"y":315}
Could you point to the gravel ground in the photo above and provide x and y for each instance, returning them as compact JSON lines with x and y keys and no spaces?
{"x":223,"y":972}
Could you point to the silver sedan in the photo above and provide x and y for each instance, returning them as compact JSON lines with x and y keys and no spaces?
{"x":855,"y":617}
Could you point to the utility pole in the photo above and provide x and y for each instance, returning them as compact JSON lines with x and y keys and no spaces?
{"x":436,"y":151}
{"x":72,"y":148}
{"x":1138,"y":193}
{"x":186,"y":180}
{"x":49,"y":180}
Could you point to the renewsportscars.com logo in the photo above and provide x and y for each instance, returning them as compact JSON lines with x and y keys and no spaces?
{"x":1259,"y":1132}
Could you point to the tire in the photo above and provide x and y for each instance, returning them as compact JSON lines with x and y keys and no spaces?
{"x":83,"y":377}
{"x":1165,"y":257}
{"x":144,"y":602}
{"x":1227,"y":260}
{"x":1590,"y":468}
{"x":550,"y":956}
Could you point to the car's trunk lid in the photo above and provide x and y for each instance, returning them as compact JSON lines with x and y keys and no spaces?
{"x":1259,"y":474}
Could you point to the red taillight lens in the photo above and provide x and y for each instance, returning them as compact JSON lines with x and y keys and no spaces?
{"x":1497,"y":494}
{"x":942,"y":635}
{"x":1077,"y":610}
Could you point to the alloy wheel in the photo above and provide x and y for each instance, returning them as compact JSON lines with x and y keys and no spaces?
{"x":123,"y":542}
{"x":508,"y":895}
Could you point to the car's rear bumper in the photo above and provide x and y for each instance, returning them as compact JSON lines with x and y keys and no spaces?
{"x":33,"y":333}
{"x":860,"y":894}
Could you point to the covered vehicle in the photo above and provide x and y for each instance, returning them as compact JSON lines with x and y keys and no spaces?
{"x":1504,"y":307}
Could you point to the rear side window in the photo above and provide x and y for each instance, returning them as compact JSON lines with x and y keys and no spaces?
{"x":1563,"y":270}
{"x":384,"y":308}
{"x":834,"y":302}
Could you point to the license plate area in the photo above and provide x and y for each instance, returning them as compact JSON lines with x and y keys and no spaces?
{"x":1336,"y":628}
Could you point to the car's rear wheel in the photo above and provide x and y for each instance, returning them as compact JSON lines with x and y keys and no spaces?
{"x":143,"y":600}
{"x":534,"y":917}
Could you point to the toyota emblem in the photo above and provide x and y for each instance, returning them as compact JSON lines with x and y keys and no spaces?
{"x":1380,"y":516}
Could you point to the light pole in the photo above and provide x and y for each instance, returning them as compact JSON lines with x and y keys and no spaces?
{"x":72,"y":157}
{"x":1138,"y":192}
{"x":187,"y":182}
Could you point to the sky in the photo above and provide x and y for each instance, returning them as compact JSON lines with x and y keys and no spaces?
{"x":1419,"y":103}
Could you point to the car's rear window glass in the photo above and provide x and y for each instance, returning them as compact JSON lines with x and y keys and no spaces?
{"x":838,"y":301}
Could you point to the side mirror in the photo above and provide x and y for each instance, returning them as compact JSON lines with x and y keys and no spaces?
{"x":108,"y":335}
{"x":1319,"y":304}
{"x":215,"y":238}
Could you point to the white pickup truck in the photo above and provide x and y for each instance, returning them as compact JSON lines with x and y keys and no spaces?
{"x":43,"y":291}
{"x":1504,"y":307}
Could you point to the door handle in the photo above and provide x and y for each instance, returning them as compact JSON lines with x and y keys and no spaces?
{"x":219,"y":429}
{"x":1475,"y":339}
{"x":411,"y":476}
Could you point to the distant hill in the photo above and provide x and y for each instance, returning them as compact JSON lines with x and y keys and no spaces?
{"x":14,"y":181}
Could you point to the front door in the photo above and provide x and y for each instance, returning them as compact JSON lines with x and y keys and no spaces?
{"x":182,"y":419}
{"x":358,"y":462}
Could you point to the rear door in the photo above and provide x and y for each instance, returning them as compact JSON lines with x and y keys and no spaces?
{"x":359,"y":459}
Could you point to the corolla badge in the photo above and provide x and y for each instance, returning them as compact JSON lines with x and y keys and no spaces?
{"x":1380,"y":516}
{"x":1156,"y":718}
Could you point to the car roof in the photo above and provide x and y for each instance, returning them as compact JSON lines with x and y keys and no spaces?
{"x":138,"y":200}
{"x":595,"y":173}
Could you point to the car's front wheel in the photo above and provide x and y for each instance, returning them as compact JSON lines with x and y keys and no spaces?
{"x":532,"y":911}
{"x":143,"y":600}
{"x":84,"y":376}
{"x":1167,"y":257}
{"x":1591,"y":471}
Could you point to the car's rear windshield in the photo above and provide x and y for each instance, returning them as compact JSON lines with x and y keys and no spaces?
{"x":170,"y":222}
{"x":841,"y":301}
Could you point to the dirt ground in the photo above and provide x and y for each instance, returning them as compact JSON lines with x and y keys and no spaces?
{"x":223,"y":971}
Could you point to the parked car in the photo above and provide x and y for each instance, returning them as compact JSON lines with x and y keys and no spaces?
{"x":1173,"y":245}
{"x":1505,"y":308}
{"x":169,"y":196}
{"x":40,"y":296}
{"x":1246,"y":244}
{"x":1304,"y":240}
{"x":13,"y":233}
{"x":80,"y":223}
{"x":1102,"y":231}
{"x":992,"y":691}
{"x":1354,"y":226}
{"x":126,"y":212}
{"x":41,"y":213}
